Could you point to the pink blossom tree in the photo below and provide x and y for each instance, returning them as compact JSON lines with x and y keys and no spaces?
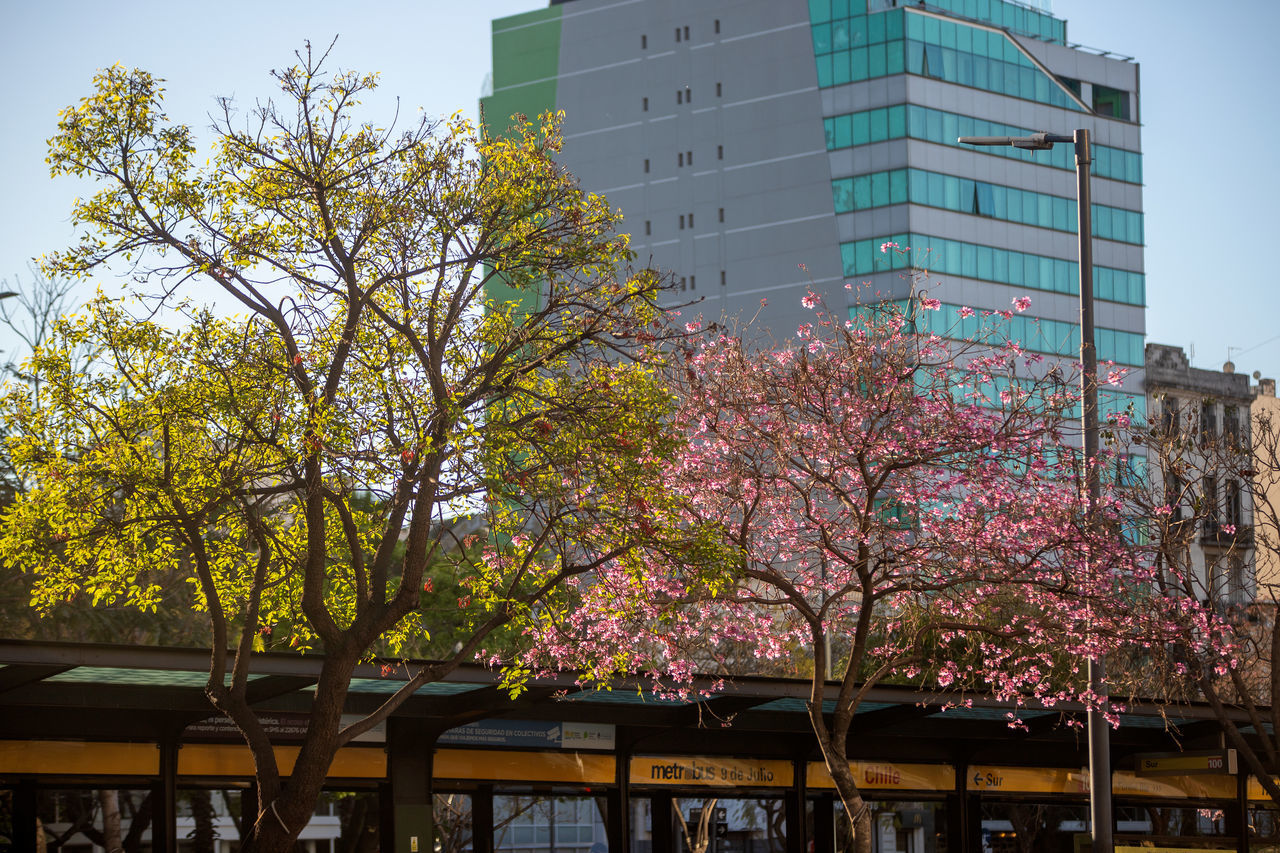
{"x":884,"y":501}
{"x":1211,"y":511}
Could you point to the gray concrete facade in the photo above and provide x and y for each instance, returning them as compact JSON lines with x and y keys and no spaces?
{"x":702,"y":120}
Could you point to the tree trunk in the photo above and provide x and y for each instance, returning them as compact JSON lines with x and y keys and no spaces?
{"x":857,"y":809}
{"x":202,"y":837}
{"x":109,"y":800}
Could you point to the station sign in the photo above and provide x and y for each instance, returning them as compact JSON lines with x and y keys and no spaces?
{"x":888,"y":776}
{"x":699,"y":771}
{"x":1215,"y":762}
{"x":1196,"y":786}
{"x":988,"y":778}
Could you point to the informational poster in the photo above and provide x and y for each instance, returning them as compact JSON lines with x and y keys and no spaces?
{"x":280,"y":726}
{"x":532,"y":734}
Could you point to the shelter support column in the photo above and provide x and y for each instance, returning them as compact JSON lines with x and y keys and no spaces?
{"x":409,"y":752}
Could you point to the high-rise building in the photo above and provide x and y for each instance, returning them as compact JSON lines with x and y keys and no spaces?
{"x":759,"y":148}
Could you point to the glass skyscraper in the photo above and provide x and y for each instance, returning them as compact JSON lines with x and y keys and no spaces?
{"x":760,"y":148}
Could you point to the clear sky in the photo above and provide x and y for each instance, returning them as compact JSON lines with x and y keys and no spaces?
{"x":1210,"y":119}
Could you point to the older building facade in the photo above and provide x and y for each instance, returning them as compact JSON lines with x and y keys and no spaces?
{"x":1201,"y":459}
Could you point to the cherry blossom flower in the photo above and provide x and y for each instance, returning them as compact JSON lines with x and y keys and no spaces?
{"x":1021,"y":303}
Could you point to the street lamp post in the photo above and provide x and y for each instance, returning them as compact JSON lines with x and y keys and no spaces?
{"x":1099,"y":733}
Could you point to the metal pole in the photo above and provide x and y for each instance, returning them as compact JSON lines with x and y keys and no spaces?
{"x":1099,"y":731}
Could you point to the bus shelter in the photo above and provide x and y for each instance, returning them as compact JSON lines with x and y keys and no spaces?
{"x":96,"y":740}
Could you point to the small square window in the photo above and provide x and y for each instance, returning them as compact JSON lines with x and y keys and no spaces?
{"x":648,"y":228}
{"x":644,"y":42}
{"x":722,"y":214}
{"x":718,"y":90}
{"x":644,"y":102}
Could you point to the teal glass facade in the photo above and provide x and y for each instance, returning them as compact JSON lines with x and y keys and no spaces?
{"x":942,"y":256}
{"x":944,"y":128}
{"x":854,"y":46}
{"x":1051,"y":337}
{"x":982,"y":45}
{"x":979,"y":198}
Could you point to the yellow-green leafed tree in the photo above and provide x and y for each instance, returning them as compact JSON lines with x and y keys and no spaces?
{"x":298,"y":465}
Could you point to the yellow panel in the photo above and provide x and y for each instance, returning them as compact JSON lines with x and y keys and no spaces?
{"x":233,"y":759}
{"x":79,"y":757}
{"x":1124,"y":848}
{"x":720,"y":772}
{"x":1026,"y":780}
{"x":889,"y":776}
{"x":1179,"y":787}
{"x":1257,"y":792}
{"x":500,"y":765}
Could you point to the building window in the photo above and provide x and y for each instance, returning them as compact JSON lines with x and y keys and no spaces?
{"x":722,"y":214}
{"x":679,"y":96}
{"x":682,"y":222}
{"x":644,"y":42}
{"x":679,"y":158}
{"x":684,"y":284}
{"x":648,"y":228}
{"x":1113,"y":103}
{"x":1231,"y":425}
{"x":690,"y":220}
{"x":1168,"y":415}
{"x":644,"y":104}
{"x":717,"y":26}
{"x":686,"y":33}
{"x":1208,"y":422}
{"x":693,"y":282}
{"x":1233,"y":505}
{"x":719,"y":152}
{"x":1173,"y":494}
{"x":722,"y":281}
{"x":677,"y":35}
{"x":1210,"y":498}
{"x":718,"y":90}
{"x":688,"y":95}
{"x":688,"y":157}
{"x":646,"y":165}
